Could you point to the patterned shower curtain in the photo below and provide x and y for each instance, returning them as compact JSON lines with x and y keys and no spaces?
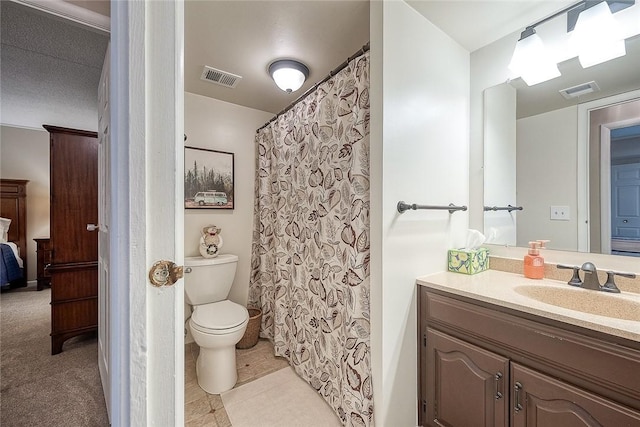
{"x":310,"y":260}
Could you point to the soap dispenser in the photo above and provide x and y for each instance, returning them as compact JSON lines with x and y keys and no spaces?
{"x":533,"y":262}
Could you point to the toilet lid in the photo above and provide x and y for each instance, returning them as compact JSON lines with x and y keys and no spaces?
{"x":219,"y":315}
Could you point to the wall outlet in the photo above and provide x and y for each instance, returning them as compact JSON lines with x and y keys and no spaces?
{"x":560,"y":213}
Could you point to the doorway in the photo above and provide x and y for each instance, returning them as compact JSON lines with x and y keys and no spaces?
{"x":621,"y":189}
{"x":600,"y":165}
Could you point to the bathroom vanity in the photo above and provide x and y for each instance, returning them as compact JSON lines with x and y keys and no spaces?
{"x":492,"y":353}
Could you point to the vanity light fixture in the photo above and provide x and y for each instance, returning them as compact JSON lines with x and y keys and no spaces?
{"x":288,"y":74}
{"x":531,"y":60}
{"x":596,"y":38}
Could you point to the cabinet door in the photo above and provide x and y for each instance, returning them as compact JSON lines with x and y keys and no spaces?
{"x":465,"y":383}
{"x":539,"y":400}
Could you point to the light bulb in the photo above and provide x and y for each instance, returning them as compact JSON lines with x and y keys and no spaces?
{"x":532,"y":62}
{"x":597,"y":37}
{"x":288,"y":79}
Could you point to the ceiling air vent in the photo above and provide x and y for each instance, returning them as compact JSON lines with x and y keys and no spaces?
{"x":219,"y":77}
{"x":582,"y":89}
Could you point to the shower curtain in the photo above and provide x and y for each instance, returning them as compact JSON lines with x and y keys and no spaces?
{"x":310,"y":252}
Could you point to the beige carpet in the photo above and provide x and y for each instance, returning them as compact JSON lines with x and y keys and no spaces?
{"x":36,"y":388}
{"x":280,"y":399}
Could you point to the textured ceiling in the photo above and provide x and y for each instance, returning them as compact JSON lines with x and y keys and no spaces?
{"x":50,"y":69}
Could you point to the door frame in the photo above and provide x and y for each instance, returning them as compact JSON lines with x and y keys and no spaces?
{"x":605,"y":180}
{"x":584,"y":110}
{"x":147,"y":128}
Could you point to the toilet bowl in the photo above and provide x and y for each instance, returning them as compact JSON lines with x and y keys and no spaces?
{"x":216,"y":323}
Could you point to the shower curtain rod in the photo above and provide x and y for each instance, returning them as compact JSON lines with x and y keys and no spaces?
{"x":332,"y":73}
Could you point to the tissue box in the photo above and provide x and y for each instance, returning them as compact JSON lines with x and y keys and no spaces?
{"x":468,"y":262}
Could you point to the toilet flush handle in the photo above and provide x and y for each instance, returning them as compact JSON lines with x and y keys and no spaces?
{"x":165,"y":273}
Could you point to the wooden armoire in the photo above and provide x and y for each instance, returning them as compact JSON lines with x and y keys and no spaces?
{"x":74,"y":236}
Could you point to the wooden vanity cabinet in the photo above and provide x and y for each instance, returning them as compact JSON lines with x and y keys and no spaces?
{"x":481,"y":365}
{"x":465,"y":383}
{"x":539,"y":400}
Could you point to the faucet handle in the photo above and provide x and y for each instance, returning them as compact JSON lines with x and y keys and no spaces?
{"x":610,"y":285}
{"x":575,"y":280}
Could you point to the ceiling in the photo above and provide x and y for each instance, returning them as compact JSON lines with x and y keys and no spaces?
{"x":243,"y":37}
{"x":474,"y":24}
{"x":50,"y":69}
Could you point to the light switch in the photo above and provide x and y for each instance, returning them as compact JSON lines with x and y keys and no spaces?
{"x":560,"y":213}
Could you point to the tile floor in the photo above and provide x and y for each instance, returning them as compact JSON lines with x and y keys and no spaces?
{"x":204,"y":409}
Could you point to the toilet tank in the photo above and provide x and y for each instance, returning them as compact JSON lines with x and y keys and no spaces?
{"x":208,"y":279}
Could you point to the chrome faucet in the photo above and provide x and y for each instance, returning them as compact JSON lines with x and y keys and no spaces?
{"x":591,"y":280}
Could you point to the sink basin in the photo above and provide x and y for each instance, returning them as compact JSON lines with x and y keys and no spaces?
{"x":584,"y":300}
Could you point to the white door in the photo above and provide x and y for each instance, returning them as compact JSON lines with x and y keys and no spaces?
{"x":104,"y":213}
{"x":625,"y":201}
{"x":146,"y":346}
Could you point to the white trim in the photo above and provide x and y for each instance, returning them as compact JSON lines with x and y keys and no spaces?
{"x":39,"y":129}
{"x":583,"y":160}
{"x":147,"y":107}
{"x":605,"y":189}
{"x":71,"y":12}
{"x":119,"y":304}
{"x":163,"y":176}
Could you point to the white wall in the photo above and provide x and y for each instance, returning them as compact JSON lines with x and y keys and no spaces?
{"x":218,"y":125}
{"x":420,"y":156}
{"x":547,"y":162}
{"x":24,"y":154}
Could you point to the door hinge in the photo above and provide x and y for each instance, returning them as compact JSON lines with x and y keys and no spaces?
{"x":424,"y":340}
{"x":424,"y":406}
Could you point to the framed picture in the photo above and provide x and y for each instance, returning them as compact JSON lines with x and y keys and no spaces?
{"x":208,"y":179}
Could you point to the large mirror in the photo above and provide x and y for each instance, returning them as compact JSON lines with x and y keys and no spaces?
{"x":571,"y":160}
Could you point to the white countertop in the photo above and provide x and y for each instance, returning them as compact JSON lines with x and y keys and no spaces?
{"x":500,"y":288}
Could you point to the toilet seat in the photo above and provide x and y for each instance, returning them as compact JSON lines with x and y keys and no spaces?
{"x":223,"y":317}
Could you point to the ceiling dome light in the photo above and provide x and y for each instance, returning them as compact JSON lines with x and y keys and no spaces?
{"x":531,"y":60}
{"x":288,"y":74}
{"x":597,"y":37}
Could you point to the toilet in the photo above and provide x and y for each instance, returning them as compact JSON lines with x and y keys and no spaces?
{"x":216,"y":323}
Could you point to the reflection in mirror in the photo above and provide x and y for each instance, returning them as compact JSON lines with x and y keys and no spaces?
{"x":548,"y":184}
{"x":578,"y":183}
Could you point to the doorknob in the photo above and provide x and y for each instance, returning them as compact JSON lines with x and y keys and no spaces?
{"x":92,"y":227}
{"x":165,"y":273}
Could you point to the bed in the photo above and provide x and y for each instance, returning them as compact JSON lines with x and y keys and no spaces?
{"x":13,"y":229}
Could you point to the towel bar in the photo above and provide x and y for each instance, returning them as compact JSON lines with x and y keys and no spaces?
{"x":402,"y":206}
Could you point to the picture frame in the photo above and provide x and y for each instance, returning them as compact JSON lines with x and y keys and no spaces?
{"x":208,"y":179}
